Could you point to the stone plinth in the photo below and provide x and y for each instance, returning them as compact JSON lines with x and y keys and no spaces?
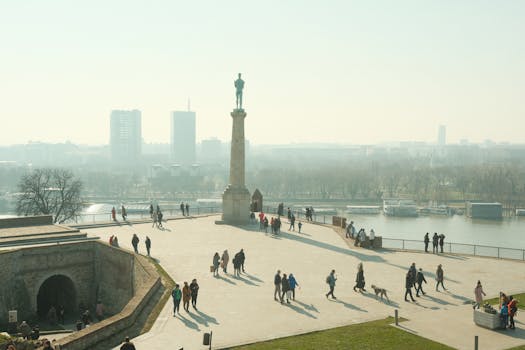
{"x":236,"y":205}
{"x":236,"y":197}
{"x":484,"y":319}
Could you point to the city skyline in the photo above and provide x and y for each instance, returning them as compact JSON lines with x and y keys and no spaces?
{"x":347,"y":72}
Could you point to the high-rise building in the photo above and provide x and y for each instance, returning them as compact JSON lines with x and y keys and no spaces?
{"x":211,"y":151}
{"x":183,"y":137}
{"x":125,"y":135}
{"x":442,"y":135}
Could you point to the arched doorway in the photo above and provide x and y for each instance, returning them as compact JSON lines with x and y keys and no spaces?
{"x":55,"y":291}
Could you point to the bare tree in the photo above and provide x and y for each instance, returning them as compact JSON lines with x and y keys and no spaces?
{"x":50,"y":192}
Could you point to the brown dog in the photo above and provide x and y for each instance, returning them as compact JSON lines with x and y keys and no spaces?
{"x":381,"y":292}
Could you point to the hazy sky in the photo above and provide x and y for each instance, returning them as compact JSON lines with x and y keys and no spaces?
{"x":315,"y":71}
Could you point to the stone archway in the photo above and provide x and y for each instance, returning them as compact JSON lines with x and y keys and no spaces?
{"x":55,"y":291}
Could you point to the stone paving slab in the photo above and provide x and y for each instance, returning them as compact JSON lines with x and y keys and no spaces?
{"x":242,"y":310}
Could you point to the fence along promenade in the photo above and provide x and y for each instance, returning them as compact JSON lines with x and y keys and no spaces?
{"x":416,"y":245}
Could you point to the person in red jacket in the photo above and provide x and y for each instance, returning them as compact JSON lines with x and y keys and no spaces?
{"x":513,"y":308}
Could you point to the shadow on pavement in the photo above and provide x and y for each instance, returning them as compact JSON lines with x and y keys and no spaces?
{"x":245,"y":280}
{"x":358,"y":255}
{"x":384,"y":300}
{"x":300,"y":310}
{"x":207,"y":317}
{"x":310,"y":307}
{"x":252,"y":277}
{"x":348,"y":305}
{"x":437,"y":300}
{"x":227,"y":280}
{"x":188,"y":323}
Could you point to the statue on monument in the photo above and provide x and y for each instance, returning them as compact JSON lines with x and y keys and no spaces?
{"x":239,"y":85}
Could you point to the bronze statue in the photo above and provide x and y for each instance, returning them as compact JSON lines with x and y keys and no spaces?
{"x":239,"y":85}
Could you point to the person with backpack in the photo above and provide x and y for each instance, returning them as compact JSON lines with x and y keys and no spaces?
{"x":330,"y":280}
{"x":293,"y":283}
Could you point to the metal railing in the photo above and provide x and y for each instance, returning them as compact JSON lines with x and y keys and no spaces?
{"x":169,"y":213}
{"x":300,"y":215}
{"x":456,"y":248}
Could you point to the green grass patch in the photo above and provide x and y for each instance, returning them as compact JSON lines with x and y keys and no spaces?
{"x":520,"y":297}
{"x":168,"y":284}
{"x":375,"y":335}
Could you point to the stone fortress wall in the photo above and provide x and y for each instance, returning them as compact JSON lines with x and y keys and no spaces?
{"x":123,"y":281}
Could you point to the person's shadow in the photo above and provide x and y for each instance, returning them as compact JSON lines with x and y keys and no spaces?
{"x":227,"y":280}
{"x":348,"y":305}
{"x":188,"y":323}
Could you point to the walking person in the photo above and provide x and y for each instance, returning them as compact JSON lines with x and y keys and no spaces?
{"x":176,"y":294}
{"x":159,"y":219}
{"x":427,"y":241}
{"x":186,"y":296}
{"x":242,"y":259}
{"x":277,"y":283}
{"x":408,"y":286}
{"x":194,"y":290}
{"x":420,"y":278}
{"x":360,"y":279}
{"x":224,"y":260}
{"x":135,"y":242}
{"x":216,"y":259}
{"x":154,"y":217}
{"x":148,"y":244}
{"x":413,"y":274}
{"x":435,"y":239}
{"x":441,"y":241}
{"x":285,"y":287}
{"x":478,"y":293}
{"x":299,"y":226}
{"x":292,"y":223}
{"x":236,"y":265}
{"x":123,"y":212}
{"x":439,"y":277}
{"x":293,"y":283}
{"x":331,"y":283}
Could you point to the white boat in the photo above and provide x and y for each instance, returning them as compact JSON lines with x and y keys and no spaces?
{"x":400,"y":207}
{"x":363,"y":209}
{"x":520,"y":212}
{"x":440,"y":210}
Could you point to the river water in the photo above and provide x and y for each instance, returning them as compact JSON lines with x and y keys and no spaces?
{"x":509,"y":232}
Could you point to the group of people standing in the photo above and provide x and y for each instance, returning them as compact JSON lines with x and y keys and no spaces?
{"x":359,"y":237}
{"x":436,"y":239}
{"x":185,"y":209}
{"x":284,"y":287}
{"x":187,"y":293}
{"x":222,"y":261}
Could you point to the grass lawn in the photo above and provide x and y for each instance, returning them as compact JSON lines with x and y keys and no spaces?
{"x":375,"y":335}
{"x":520,"y":297}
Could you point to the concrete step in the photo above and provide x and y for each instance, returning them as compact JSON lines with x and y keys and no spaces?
{"x":43,"y":239}
{"x":48,"y":230}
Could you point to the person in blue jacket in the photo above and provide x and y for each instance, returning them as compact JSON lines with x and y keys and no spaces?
{"x":293,"y":283}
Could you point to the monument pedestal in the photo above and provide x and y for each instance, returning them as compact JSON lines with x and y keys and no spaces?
{"x":236,"y":205}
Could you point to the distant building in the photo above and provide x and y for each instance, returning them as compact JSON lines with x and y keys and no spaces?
{"x":211,"y":151}
{"x":183,"y":137}
{"x":442,"y":135}
{"x":125,"y":135}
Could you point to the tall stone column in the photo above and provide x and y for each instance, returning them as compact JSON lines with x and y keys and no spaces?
{"x":236,"y":197}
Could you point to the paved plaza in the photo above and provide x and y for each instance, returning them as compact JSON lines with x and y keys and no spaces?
{"x":242,"y":310}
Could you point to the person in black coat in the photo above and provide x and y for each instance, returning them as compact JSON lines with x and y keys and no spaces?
{"x":441,"y":241}
{"x":435,"y":239}
{"x":408,"y":286}
{"x":427,"y":240}
{"x":420,"y":279}
{"x":360,"y":279}
{"x":285,"y":289}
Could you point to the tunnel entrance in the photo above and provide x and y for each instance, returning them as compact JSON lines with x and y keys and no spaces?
{"x":57,"y":290}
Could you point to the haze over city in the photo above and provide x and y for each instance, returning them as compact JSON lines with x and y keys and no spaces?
{"x":338,"y":72}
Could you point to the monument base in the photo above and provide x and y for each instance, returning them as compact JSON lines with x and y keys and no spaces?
{"x":236,"y":206}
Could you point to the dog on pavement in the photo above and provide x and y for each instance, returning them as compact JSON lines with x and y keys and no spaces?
{"x":381,"y":292}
